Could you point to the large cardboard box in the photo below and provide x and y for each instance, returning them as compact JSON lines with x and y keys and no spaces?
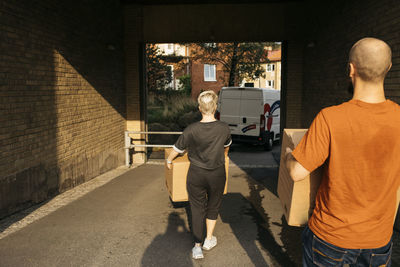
{"x":175,"y":178}
{"x":297,"y":198}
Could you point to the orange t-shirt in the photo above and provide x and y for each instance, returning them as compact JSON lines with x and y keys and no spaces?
{"x":356,"y":201}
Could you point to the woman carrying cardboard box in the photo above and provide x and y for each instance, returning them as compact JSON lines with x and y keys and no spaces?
{"x":206,"y":142}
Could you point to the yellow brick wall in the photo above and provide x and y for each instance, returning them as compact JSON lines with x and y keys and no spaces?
{"x":62,"y":97}
{"x":135,"y":101}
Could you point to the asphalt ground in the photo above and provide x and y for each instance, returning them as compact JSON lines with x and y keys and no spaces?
{"x":129,"y":221}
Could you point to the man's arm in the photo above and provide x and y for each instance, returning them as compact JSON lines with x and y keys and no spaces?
{"x":296,"y":170}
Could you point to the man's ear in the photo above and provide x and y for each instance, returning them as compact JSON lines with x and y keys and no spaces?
{"x":352,"y":70}
{"x":390,"y":66}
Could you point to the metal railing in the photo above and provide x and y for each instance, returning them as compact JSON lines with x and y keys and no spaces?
{"x":130,"y":145}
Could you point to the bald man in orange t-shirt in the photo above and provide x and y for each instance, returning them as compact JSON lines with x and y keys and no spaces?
{"x":359,"y":140}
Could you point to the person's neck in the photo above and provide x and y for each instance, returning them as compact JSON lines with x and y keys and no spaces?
{"x":369,"y":92}
{"x":208,"y":118}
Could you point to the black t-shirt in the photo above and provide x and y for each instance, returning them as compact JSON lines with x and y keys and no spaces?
{"x":205,"y":142}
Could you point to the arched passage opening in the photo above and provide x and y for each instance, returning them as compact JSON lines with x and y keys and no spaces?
{"x":245,"y":75}
{"x":211,"y":23}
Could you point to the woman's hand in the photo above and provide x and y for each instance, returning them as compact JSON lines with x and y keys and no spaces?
{"x":170,"y":158}
{"x":169,"y":165}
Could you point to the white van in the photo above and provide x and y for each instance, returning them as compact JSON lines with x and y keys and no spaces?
{"x":253,"y":114}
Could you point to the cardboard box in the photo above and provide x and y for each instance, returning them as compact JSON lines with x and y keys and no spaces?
{"x":297,"y":198}
{"x":175,"y":178}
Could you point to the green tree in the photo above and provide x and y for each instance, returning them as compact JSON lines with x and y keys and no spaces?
{"x":158,"y":74}
{"x":239,"y":60}
{"x":185,"y":84}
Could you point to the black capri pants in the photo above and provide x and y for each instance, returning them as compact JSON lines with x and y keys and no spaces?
{"x":205,"y":189}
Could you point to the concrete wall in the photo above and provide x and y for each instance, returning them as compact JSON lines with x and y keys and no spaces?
{"x":62,"y":96}
{"x":340,"y":25}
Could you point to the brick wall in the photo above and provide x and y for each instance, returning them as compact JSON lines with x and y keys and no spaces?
{"x":340,"y":25}
{"x":198,"y":83}
{"x":135,"y":93}
{"x":62,"y":97}
{"x":292,"y":88}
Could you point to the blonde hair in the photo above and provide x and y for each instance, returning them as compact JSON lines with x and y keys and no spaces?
{"x":207,"y":102}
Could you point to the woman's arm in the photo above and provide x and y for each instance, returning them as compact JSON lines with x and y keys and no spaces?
{"x":226,"y":149}
{"x":172,"y":155}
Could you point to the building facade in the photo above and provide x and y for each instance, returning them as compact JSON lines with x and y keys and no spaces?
{"x":210,"y":75}
{"x":176,"y":57}
{"x":273,"y":68}
{"x":204,"y":75}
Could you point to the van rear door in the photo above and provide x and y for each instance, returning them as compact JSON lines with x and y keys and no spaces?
{"x":272,"y":100}
{"x":251,"y":108}
{"x":229,"y":108}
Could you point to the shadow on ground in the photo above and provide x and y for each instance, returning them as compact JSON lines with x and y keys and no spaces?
{"x":6,"y":222}
{"x":250,"y":228}
{"x":237,"y":210}
{"x":163,"y":252}
{"x":266,"y":172}
{"x":290,"y":253}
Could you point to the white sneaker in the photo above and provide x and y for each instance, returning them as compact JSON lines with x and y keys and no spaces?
{"x":197,"y":253}
{"x":210,"y":243}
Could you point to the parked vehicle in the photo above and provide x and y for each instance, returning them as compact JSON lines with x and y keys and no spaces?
{"x":253,"y":114}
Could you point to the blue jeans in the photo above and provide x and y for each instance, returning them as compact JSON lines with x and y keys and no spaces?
{"x":317,"y":252}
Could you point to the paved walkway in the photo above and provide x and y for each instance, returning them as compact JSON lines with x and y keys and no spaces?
{"x":125,"y":218}
{"x":130,"y":222}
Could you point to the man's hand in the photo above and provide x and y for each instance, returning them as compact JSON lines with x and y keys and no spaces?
{"x":287,"y":152}
{"x":296,"y":170}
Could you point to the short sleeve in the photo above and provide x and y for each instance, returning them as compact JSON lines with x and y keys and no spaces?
{"x":228,"y":141}
{"x":313,"y":149}
{"x":182,"y":143}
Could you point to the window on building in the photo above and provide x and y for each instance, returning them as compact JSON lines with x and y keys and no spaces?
{"x":172,"y":82}
{"x":178,"y":84}
{"x":213,"y":45}
{"x":270,"y":67}
{"x":169,"y":49}
{"x":270,"y":84}
{"x":209,"y":73}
